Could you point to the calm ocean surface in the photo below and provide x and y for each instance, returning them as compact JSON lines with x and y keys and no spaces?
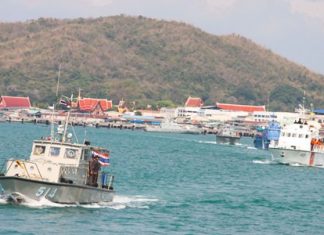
{"x":175,"y":184}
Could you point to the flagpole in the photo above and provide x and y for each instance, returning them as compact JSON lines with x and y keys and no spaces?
{"x":58,"y":80}
{"x":66,"y":123}
{"x":53,"y":107}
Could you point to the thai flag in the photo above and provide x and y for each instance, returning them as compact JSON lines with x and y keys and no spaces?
{"x":103,"y":158}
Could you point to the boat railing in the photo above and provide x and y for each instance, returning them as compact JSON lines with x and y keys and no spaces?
{"x":111,"y":182}
{"x":21,"y":164}
{"x":105,"y":181}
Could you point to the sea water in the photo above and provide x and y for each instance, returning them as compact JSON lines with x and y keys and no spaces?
{"x":174,"y":184}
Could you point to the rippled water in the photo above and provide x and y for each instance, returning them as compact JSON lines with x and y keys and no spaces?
{"x":175,"y":184}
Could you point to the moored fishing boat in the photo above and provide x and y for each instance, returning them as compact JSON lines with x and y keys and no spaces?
{"x":59,"y":170}
{"x":299,"y":143}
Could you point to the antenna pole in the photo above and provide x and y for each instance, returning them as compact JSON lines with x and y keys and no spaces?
{"x":58,"y":80}
{"x":52,"y":124}
{"x":66,"y":123}
{"x":53,"y":108}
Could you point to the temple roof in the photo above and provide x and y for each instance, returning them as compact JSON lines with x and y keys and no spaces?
{"x":193,"y":102}
{"x":239,"y":107}
{"x":89,"y":104}
{"x":14,"y":102}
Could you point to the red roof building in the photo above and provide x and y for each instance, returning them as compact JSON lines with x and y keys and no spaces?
{"x":14,"y":102}
{"x":94,"y":106}
{"x":194,"y":102}
{"x":239,"y":107}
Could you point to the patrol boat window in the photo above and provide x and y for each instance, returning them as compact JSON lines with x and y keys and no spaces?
{"x":70,"y":153}
{"x":55,"y":151}
{"x":87,"y":154}
{"x":39,"y":150}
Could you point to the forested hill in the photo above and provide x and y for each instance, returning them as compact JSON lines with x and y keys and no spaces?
{"x":147,"y":61}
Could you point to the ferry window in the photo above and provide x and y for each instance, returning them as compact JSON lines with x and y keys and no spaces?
{"x":283,"y":134}
{"x":54,"y":151}
{"x":300,"y":136}
{"x":306,"y":136}
{"x":289,"y":134}
{"x":70,"y":153}
{"x":294,"y":135}
{"x":39,"y":150}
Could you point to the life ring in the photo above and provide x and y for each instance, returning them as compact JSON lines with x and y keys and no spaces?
{"x":70,"y":153}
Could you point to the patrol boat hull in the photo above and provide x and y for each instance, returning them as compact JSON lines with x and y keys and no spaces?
{"x":18,"y":188}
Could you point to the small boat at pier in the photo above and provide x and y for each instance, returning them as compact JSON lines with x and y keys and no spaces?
{"x":173,"y":127}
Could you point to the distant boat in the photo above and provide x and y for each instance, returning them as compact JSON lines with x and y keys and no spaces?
{"x":299,"y":143}
{"x":227,"y":135}
{"x":265,"y":135}
{"x":173,"y":127}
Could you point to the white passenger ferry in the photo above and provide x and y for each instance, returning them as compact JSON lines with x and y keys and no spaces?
{"x":299,"y":144}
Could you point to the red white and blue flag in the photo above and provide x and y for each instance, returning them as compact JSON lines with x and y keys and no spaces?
{"x":103,"y":157}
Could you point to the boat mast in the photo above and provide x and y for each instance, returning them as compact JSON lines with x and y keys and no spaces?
{"x":53,"y":108}
{"x":66,"y":123}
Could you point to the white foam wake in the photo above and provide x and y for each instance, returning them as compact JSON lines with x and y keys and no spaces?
{"x":266,"y":162}
{"x":119,"y":202}
{"x":122,"y":201}
{"x":206,"y":142}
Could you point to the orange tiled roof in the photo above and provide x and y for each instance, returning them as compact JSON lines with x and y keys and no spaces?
{"x":14,"y":102}
{"x":193,"y":102}
{"x":89,"y":104}
{"x":239,"y":107}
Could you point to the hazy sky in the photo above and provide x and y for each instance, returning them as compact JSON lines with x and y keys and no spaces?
{"x":292,"y":28}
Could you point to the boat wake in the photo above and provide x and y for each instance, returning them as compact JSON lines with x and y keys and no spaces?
{"x":206,"y":142}
{"x":264,"y":162}
{"x":119,"y":202}
{"x":122,"y":202}
{"x":3,"y":199}
{"x":274,"y":162}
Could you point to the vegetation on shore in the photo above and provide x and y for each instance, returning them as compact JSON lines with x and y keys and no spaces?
{"x":147,"y":61}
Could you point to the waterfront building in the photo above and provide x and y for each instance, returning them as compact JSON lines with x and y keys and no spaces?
{"x":14,"y":102}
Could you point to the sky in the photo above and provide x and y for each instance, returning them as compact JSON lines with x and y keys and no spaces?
{"x":293,"y":29}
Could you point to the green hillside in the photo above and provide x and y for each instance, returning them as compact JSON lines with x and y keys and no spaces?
{"x":147,"y":61}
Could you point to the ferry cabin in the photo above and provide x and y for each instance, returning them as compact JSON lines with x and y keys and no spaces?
{"x":295,"y":137}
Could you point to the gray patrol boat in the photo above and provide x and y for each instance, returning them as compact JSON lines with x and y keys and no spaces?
{"x":57,"y":170}
{"x":227,"y":135}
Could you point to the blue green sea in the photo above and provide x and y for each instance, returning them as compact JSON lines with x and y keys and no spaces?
{"x":175,"y":184}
